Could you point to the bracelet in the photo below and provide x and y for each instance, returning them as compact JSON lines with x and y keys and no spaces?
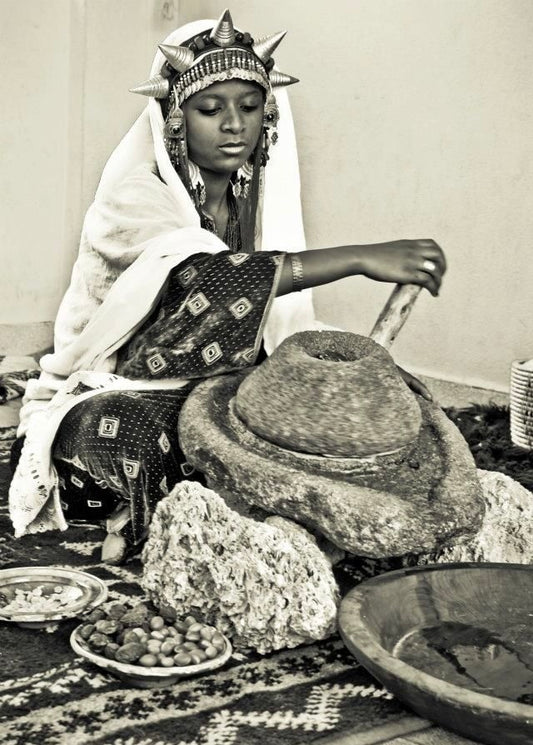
{"x":297,"y":272}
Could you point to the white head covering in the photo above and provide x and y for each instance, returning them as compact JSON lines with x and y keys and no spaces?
{"x":281,"y":219}
{"x":280,"y":215}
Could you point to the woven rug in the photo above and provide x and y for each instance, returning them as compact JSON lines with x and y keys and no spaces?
{"x":49,"y":696}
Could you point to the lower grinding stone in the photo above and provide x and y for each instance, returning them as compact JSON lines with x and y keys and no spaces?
{"x":420,"y":498}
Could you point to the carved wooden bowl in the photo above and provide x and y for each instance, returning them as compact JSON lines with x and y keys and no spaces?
{"x":454,"y":642}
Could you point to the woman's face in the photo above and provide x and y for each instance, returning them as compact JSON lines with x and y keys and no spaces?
{"x":223,"y":123}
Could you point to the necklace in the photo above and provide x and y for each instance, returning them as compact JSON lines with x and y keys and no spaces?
{"x":232,"y":233}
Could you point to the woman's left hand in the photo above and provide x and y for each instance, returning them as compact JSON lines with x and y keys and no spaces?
{"x":415,"y":384}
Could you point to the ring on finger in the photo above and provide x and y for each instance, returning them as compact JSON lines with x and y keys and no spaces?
{"x":429,"y":266}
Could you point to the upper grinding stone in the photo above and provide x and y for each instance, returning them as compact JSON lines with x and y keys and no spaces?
{"x":330,"y":393}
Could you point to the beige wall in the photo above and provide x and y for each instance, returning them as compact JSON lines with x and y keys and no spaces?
{"x":67,"y":66}
{"x":414,"y":120}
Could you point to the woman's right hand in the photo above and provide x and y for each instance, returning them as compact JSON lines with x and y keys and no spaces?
{"x":419,"y":262}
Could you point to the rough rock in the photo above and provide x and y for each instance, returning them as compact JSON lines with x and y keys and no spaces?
{"x":266,"y":586}
{"x":506,"y":533}
{"x":418,"y":499}
{"x":329,"y":392}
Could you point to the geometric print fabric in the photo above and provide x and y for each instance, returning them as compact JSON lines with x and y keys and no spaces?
{"x":121,"y":448}
{"x":114,"y":449}
{"x":209,"y":319}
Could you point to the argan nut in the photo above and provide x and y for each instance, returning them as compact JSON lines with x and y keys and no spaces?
{"x":167,"y":612}
{"x":86,"y":630}
{"x":166,"y":661}
{"x":192,"y":636}
{"x":130,"y":636}
{"x":198,"y":656}
{"x":110,"y":650}
{"x":136,"y":616}
{"x":116,"y":611}
{"x":98,"y":640}
{"x":130,"y":652}
{"x":153,"y":646}
{"x":148,"y":660}
{"x":106,"y":626}
{"x":167,"y":647}
{"x":182,"y":659}
{"x":211,"y":652}
{"x":157,"y":623}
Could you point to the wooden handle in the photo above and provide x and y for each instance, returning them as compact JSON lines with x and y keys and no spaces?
{"x":394,"y":314}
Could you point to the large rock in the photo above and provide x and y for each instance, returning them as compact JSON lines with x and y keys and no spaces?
{"x":266,"y":585}
{"x":506,"y":532}
{"x":504,"y":536}
{"x":421,"y":498}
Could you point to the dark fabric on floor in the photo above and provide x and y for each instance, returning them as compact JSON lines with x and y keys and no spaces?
{"x":487,"y":431}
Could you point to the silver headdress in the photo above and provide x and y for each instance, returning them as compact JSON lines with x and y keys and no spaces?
{"x":221,"y":53}
{"x":214,"y":55}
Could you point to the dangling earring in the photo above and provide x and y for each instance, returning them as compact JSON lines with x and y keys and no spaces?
{"x":174,"y":139}
{"x":175,"y":124}
{"x":243,"y":178}
{"x":197,"y":186}
{"x":270,"y":123}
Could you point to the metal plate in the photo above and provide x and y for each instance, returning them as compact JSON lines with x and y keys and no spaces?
{"x":93,"y":591}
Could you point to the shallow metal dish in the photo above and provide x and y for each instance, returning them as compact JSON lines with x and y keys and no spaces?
{"x":482,"y":604}
{"x":147,"y":677}
{"x":94,"y":592}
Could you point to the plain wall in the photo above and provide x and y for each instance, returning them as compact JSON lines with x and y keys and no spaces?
{"x":414,"y":119}
{"x":67,"y":69}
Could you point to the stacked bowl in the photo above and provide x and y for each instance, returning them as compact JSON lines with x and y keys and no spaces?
{"x":521,"y":403}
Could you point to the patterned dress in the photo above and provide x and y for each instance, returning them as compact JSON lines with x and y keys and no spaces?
{"x":121,"y":448}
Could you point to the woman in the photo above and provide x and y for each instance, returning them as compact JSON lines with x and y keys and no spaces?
{"x":191,"y":264}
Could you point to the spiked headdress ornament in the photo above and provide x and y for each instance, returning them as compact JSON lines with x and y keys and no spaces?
{"x":221,"y":53}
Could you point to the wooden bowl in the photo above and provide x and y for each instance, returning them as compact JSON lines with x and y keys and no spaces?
{"x":452,"y":641}
{"x":147,"y":677}
{"x":90,"y":592}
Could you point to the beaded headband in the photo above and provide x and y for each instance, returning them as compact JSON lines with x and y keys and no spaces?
{"x":213,"y":56}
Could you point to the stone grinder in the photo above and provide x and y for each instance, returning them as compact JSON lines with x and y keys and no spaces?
{"x":327,"y":433}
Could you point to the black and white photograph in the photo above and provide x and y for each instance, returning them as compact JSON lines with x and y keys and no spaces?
{"x":266,"y":372}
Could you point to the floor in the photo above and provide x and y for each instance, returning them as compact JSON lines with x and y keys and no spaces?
{"x":9,"y":412}
{"x":412,"y":730}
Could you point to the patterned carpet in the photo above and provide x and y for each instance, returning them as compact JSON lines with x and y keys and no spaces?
{"x":48,"y":696}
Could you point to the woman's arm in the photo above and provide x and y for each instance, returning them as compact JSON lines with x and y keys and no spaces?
{"x":418,"y":262}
